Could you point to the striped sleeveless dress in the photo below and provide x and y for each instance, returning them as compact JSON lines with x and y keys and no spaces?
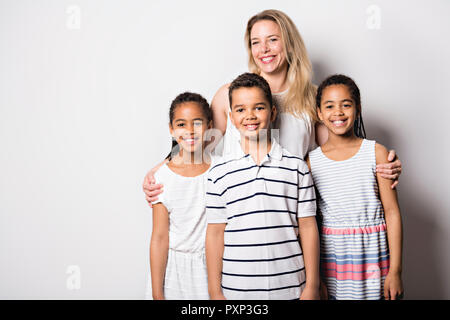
{"x":354,"y":252}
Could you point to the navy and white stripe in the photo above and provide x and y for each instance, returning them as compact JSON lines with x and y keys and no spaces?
{"x":260,"y":205}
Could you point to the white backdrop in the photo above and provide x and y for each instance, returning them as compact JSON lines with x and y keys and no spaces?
{"x":85,"y":88}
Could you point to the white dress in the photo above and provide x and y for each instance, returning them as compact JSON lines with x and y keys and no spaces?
{"x":295,"y":134}
{"x":184,"y":198}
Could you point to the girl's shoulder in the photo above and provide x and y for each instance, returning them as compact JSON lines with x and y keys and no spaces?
{"x":381,"y":153}
{"x":163,"y":173}
{"x":314,"y":154}
{"x":315,"y":151}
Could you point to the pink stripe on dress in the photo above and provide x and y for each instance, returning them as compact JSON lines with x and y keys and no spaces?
{"x":357,"y":272}
{"x":366,"y":230}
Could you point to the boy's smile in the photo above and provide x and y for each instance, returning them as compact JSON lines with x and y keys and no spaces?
{"x":251,"y":112}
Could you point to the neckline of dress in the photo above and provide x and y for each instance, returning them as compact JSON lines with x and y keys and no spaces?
{"x":280,"y":93}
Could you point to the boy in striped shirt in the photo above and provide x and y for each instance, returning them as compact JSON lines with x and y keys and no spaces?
{"x":256,"y":206}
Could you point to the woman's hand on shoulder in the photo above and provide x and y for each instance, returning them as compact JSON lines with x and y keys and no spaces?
{"x":388,"y":170}
{"x":149,"y":186}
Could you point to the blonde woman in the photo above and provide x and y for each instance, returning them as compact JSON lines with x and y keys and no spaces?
{"x":276,"y":52}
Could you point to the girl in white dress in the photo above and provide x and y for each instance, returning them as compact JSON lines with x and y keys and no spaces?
{"x":177,"y":258}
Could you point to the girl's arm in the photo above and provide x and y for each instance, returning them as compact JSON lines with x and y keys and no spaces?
{"x":214,"y":253}
{"x":392,"y":169}
{"x":309,"y":240}
{"x":389,"y":170}
{"x":323,"y":292}
{"x":159,"y":248}
{"x":151,"y":189}
{"x":393,"y":287}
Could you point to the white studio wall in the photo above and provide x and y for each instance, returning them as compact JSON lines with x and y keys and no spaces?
{"x":85,"y":89}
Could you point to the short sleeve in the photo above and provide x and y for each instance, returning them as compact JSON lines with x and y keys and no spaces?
{"x":215,"y":203}
{"x":306,"y":194}
{"x":159,"y":178}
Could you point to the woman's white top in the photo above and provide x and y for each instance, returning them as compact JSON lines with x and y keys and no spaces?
{"x":295,"y":134}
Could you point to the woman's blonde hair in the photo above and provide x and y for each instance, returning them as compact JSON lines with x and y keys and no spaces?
{"x":300,"y":97}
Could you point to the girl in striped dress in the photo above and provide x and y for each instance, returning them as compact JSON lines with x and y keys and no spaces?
{"x":361,"y":228}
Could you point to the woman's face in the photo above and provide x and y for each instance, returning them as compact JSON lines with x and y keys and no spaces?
{"x":267,"y":47}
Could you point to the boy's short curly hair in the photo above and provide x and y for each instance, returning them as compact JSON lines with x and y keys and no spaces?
{"x":250,"y":80}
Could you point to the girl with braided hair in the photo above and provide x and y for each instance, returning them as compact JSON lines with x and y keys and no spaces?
{"x":361,"y":227}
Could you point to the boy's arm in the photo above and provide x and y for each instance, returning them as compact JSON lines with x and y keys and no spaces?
{"x":309,"y":240}
{"x":214,"y":253}
{"x":393,"y":285}
{"x":216,"y":215}
{"x":159,"y":248}
{"x":309,"y":235}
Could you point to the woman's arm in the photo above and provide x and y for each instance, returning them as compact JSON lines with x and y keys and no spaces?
{"x":220,"y":106}
{"x":214,"y":253}
{"x":151,"y":189}
{"x":309,"y":240}
{"x":393,"y":287}
{"x":159,"y":248}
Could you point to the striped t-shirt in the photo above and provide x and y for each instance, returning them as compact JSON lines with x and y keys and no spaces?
{"x":260,"y":204}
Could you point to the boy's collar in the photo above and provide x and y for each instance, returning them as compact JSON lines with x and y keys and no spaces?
{"x":276,"y":152}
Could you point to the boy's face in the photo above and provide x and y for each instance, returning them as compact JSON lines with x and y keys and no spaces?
{"x":251,"y":112}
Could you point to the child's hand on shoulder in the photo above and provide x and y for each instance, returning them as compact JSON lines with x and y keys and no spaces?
{"x":310,"y":293}
{"x":393,"y":287}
